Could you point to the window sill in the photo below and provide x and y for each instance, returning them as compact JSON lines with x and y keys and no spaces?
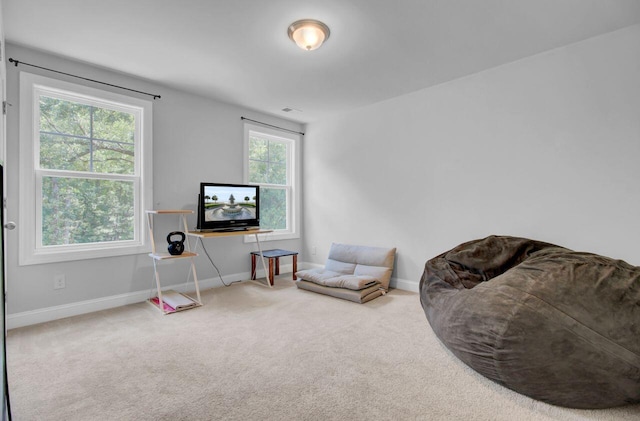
{"x":79,"y":254}
{"x":273,"y":236}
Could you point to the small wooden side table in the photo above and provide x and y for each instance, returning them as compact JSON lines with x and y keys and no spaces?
{"x":274,"y":262}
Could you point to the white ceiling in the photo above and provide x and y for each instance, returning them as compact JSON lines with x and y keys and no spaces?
{"x":237,"y":51}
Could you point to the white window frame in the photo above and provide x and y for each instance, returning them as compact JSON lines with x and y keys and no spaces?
{"x":293,"y":178}
{"x":31,"y":250}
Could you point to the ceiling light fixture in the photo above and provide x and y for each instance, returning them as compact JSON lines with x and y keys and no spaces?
{"x":308,"y":34}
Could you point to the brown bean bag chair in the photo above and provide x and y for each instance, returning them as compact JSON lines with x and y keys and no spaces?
{"x":559,"y":326}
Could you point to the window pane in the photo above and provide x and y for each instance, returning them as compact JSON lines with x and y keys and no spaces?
{"x":273,"y":208}
{"x":113,"y":125}
{"x":66,"y":117}
{"x":258,"y":172}
{"x":64,"y":153}
{"x":258,"y":149}
{"x":80,"y":137}
{"x":278,"y":174}
{"x":78,"y":211}
{"x":113,"y":157}
{"x":267,"y":161}
{"x":277,"y":152}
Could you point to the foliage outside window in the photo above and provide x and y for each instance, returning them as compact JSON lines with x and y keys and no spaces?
{"x":87,"y":169}
{"x":84,"y":139}
{"x":271,"y":164}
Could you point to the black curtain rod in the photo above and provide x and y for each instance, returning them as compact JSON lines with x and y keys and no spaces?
{"x":16,"y":62}
{"x":271,"y":125}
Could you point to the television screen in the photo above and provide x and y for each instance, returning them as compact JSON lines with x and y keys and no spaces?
{"x":228,"y":206}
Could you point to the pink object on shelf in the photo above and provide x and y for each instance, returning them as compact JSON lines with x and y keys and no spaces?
{"x":166,"y":307}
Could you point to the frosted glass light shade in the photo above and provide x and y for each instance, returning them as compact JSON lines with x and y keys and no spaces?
{"x":308,"y":34}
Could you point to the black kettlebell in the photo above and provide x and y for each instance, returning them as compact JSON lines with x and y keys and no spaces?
{"x":176,"y":247}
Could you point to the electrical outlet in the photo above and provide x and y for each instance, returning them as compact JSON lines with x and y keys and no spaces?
{"x":58,"y":282}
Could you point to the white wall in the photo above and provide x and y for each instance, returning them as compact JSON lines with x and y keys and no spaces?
{"x":547,"y":148}
{"x":195,"y":139}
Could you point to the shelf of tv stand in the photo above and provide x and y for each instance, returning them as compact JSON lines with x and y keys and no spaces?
{"x":168,"y":211}
{"x":163,"y":256}
{"x":209,"y":234}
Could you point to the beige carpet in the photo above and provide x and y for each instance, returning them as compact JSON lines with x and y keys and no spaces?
{"x":253,"y":353}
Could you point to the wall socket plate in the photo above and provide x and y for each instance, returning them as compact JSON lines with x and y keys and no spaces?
{"x":59,"y":282}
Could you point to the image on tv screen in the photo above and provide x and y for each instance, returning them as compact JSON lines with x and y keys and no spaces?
{"x":225,"y":203}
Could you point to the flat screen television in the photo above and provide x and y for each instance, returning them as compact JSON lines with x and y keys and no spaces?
{"x":228,"y":207}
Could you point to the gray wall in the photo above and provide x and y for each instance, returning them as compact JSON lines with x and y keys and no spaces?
{"x":546,"y":147}
{"x":195,"y":139}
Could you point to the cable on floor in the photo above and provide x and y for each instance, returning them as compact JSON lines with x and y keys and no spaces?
{"x":214,"y":265}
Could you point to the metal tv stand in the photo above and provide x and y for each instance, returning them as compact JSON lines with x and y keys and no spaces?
{"x":211,"y":234}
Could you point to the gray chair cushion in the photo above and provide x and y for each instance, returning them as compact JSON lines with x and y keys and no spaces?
{"x":351,"y":272}
{"x":361,"y":296}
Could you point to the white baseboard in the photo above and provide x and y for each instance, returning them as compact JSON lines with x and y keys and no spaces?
{"x":48,"y":314}
{"x":405,"y":284}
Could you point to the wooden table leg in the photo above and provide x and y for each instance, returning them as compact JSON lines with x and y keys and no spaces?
{"x":295,"y":266}
{"x":271,"y":270}
{"x":253,"y":266}
{"x":277,"y":266}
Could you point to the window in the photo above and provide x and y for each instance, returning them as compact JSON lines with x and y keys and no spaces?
{"x":85,"y":171}
{"x":271,"y":157}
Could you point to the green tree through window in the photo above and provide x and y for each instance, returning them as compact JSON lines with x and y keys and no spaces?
{"x":83,"y":146}
{"x":269,"y":167}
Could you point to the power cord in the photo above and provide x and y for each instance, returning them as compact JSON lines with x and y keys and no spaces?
{"x":214,"y":265}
